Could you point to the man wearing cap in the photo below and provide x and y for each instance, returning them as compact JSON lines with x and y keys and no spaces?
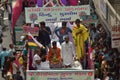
{"x":36,"y":59}
{"x":80,"y":35}
{"x":67,"y":52}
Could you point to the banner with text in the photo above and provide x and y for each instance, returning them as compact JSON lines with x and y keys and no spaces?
{"x":56,"y":14}
{"x":33,"y":30}
{"x":60,"y":75}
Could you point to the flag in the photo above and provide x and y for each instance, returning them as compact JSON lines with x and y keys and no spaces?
{"x":32,"y":42}
{"x":90,"y":51}
{"x":16,"y":11}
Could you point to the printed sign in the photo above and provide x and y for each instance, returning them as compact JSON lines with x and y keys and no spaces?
{"x":56,"y":14}
{"x":33,"y":30}
{"x":89,"y":18}
{"x":115,"y":36}
{"x":60,"y":75}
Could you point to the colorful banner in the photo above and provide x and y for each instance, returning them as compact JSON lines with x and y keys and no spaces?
{"x":56,"y":14}
{"x":115,"y":34}
{"x":90,"y":18}
{"x":60,"y":75}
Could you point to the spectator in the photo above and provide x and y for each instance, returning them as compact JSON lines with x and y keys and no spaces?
{"x":14,"y":67}
{"x":11,"y":50}
{"x":3,"y":54}
{"x":94,"y":34}
{"x":6,"y":66}
{"x":18,"y":76}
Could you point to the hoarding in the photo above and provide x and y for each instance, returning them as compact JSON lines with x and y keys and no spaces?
{"x":56,"y":14}
{"x":60,"y":75}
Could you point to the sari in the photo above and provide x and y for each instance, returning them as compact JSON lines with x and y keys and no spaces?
{"x":80,"y":39}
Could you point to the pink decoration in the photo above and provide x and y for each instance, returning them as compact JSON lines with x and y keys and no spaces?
{"x":16,"y":11}
{"x":73,"y":2}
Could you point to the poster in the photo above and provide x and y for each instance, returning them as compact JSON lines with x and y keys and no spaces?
{"x":18,"y":32}
{"x":60,"y":75}
{"x":90,"y":19}
{"x":33,"y":30}
{"x":56,"y":14}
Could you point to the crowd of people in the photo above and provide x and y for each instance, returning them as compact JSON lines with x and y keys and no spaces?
{"x":106,"y":59}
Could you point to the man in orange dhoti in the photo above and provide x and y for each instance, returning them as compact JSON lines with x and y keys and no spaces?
{"x":54,"y":56}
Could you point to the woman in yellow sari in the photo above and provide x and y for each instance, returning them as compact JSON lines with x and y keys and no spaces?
{"x":80,"y":35}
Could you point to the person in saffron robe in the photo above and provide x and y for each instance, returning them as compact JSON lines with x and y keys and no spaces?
{"x":54,"y":56}
{"x":80,"y":35}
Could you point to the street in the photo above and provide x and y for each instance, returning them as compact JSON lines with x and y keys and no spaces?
{"x":6,"y":35}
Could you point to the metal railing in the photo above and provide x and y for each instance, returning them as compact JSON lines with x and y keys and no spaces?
{"x":107,"y":13}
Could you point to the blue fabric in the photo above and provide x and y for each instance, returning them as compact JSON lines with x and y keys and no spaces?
{"x":3,"y":54}
{"x":59,"y":34}
{"x":25,"y":51}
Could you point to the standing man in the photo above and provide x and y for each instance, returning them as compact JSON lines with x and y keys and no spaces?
{"x":67,"y":52}
{"x":44,"y":35}
{"x":3,"y":54}
{"x":80,"y":35}
{"x":11,"y":50}
{"x":62,"y":31}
